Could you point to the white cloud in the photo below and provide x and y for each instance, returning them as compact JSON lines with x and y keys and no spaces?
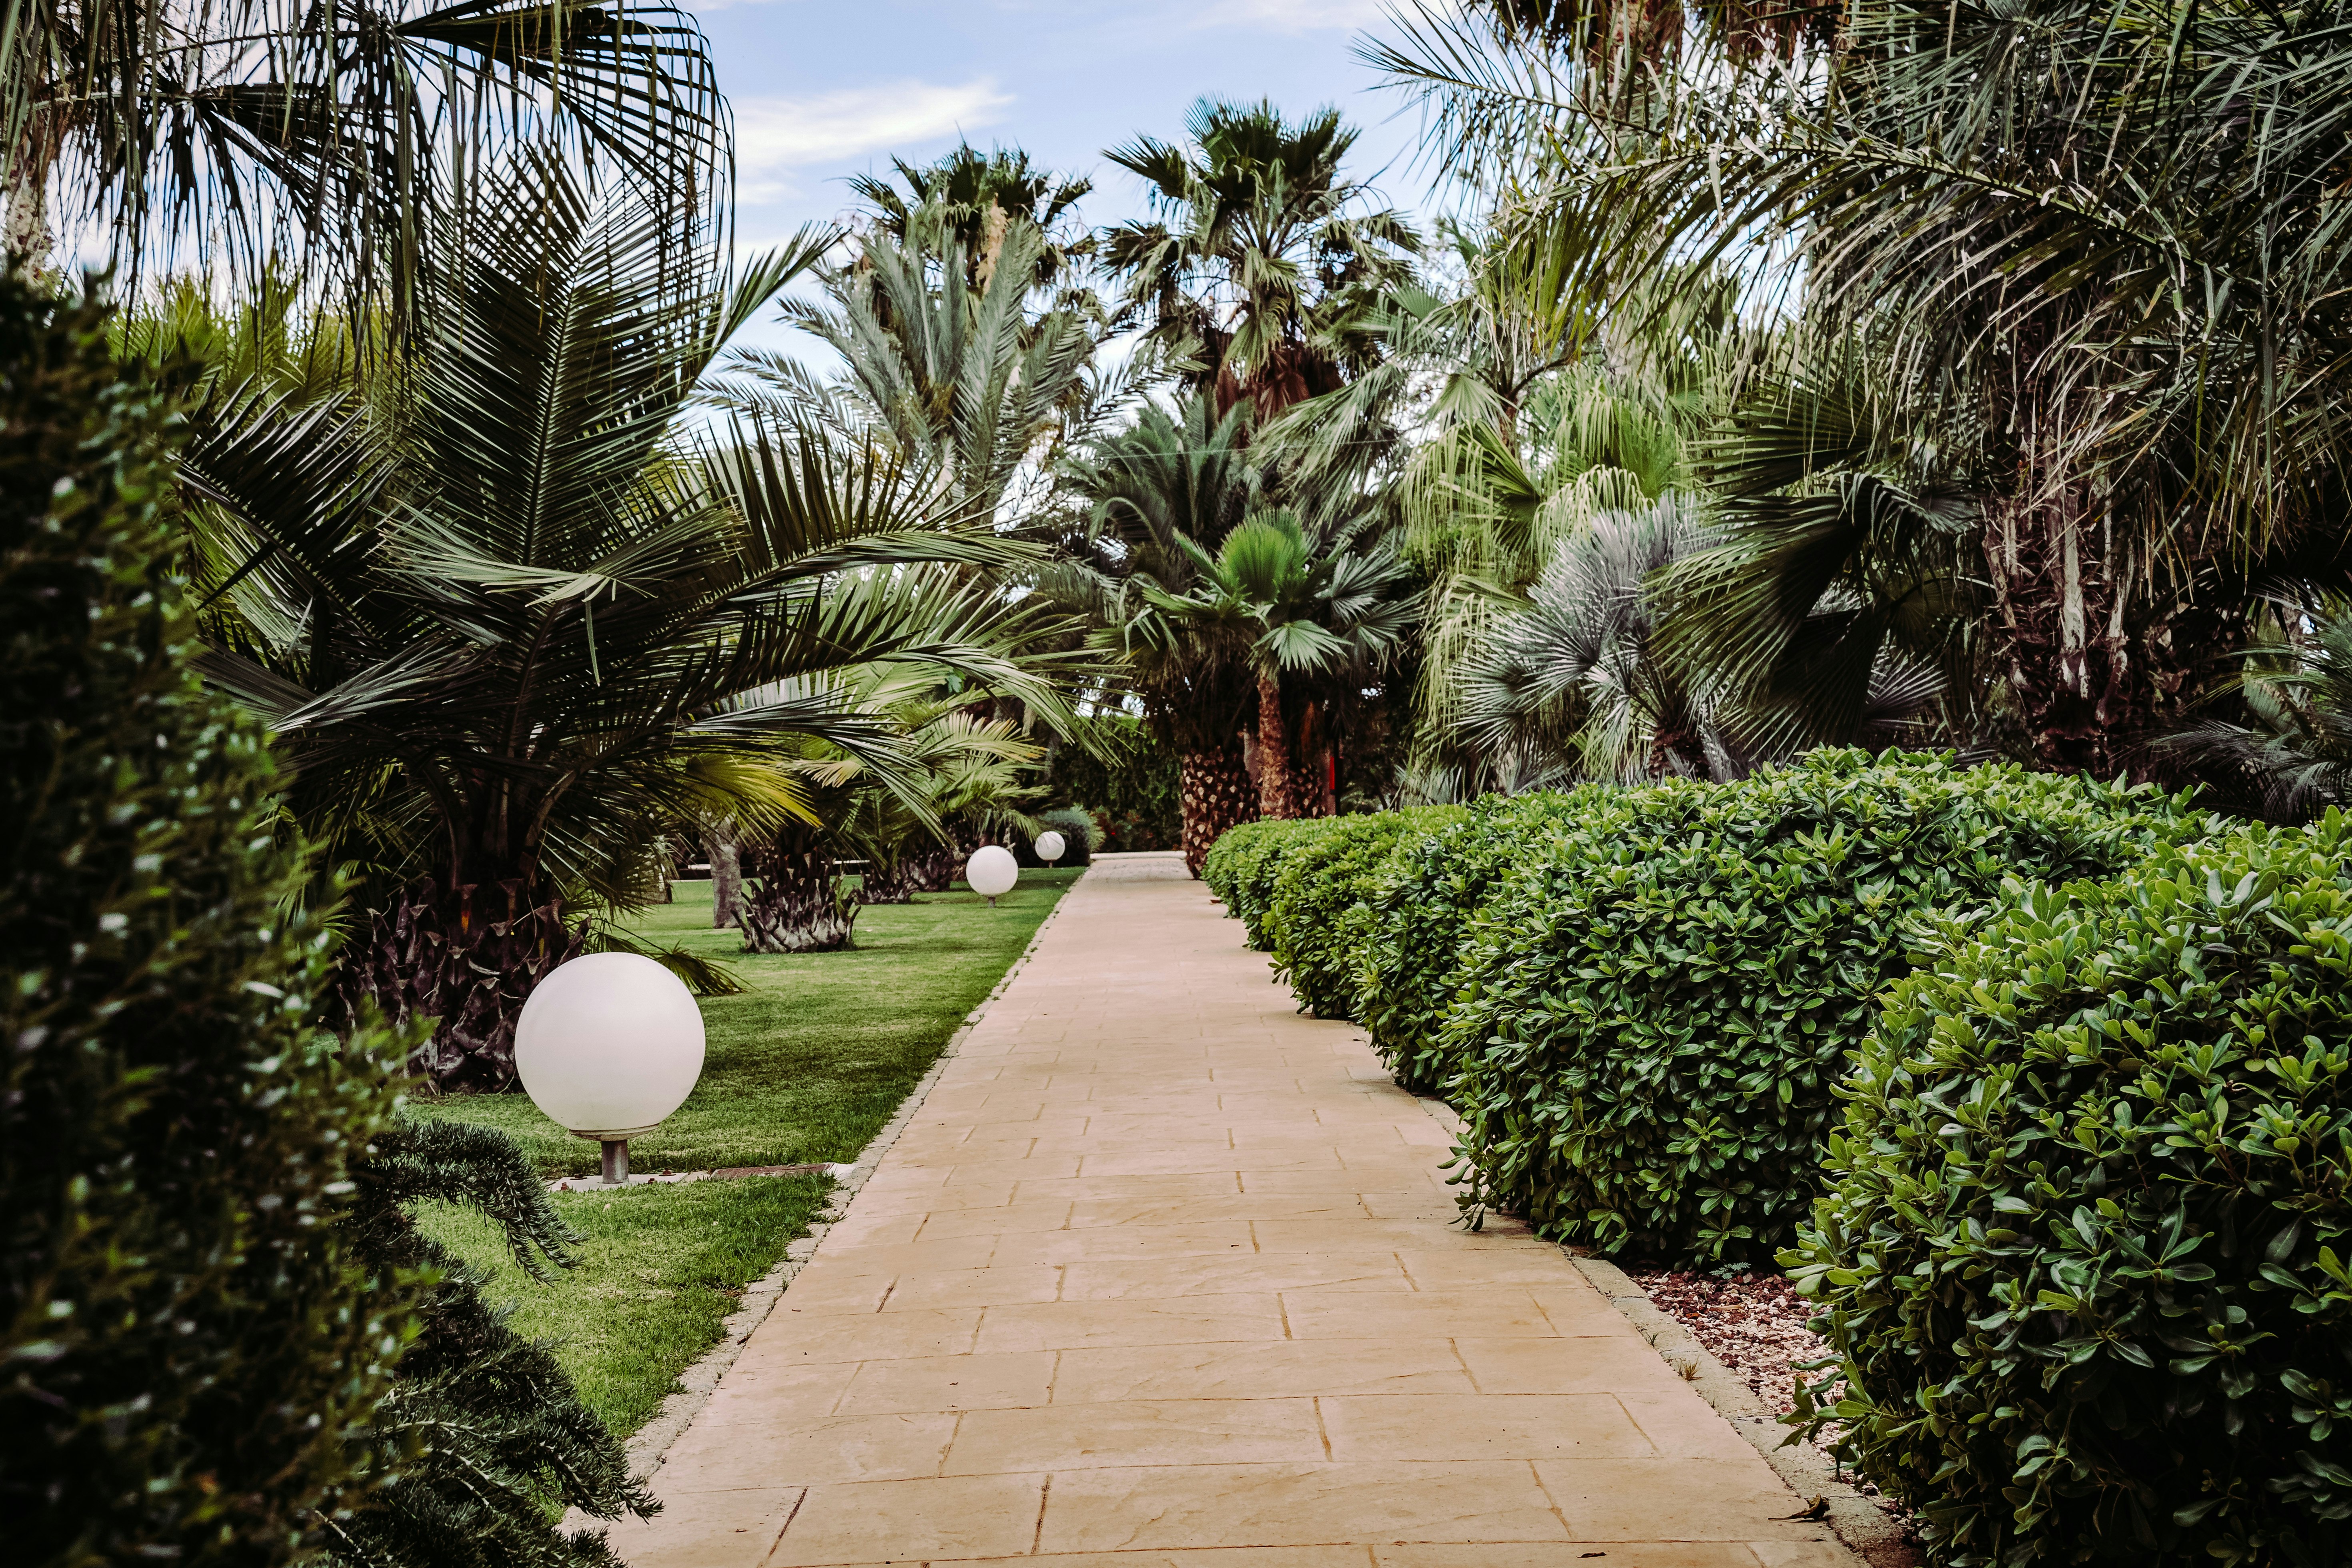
{"x":1291,"y":16}
{"x":777,"y":137}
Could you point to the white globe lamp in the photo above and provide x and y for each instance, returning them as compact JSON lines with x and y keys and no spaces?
{"x":1049,"y":846}
{"x":991,"y":872}
{"x":607,"y":1045}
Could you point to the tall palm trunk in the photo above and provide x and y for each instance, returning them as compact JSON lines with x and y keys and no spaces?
{"x":468,"y":956}
{"x":1213,"y":794}
{"x":797,"y":905}
{"x":1277,"y":789}
{"x":726,"y":860}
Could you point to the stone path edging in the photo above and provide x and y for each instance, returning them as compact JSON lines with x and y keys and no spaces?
{"x":1865,"y":1528}
{"x":651,"y":1443}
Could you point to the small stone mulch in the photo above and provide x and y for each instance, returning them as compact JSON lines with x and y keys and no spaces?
{"x":1754,"y":1323}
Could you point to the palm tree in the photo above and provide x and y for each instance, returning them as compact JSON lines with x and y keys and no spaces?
{"x":513,"y":623}
{"x":2291,"y":759}
{"x":975,"y":197}
{"x":2092,"y":255}
{"x":277,"y":134}
{"x":1170,"y":480}
{"x":1259,"y":274}
{"x":1319,"y":606}
{"x":963,"y":380}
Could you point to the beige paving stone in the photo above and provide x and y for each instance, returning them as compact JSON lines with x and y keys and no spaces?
{"x":1227,"y":1557}
{"x":1594,"y":1363}
{"x":1269,"y":1370}
{"x":948,"y":1517}
{"x":1604,"y":1554}
{"x":947,"y":1383}
{"x":707,"y":1530}
{"x":1065,"y":1437}
{"x":813,"y":1337}
{"x":1673,"y":1500}
{"x":1163,"y":1274}
{"x":1295,"y":1505}
{"x":797,"y":1448}
{"x":1482,"y":1426}
{"x":1360,"y":1269}
{"x":1078,"y":1325}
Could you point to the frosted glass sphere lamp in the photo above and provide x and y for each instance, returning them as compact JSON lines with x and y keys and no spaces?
{"x":607,"y":1045}
{"x":1050,"y":846}
{"x":991,"y":872}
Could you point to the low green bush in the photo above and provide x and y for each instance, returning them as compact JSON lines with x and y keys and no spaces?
{"x":1124,"y":778}
{"x":1408,"y":957}
{"x":1245,"y":861}
{"x":2083,"y":1249}
{"x":1657,"y":1006}
{"x":1318,"y":919}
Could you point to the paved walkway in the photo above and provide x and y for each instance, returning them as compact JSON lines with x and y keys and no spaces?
{"x":1161,"y":1274}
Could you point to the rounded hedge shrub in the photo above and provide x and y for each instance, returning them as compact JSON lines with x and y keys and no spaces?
{"x":1407,"y":961}
{"x":1252,"y":857}
{"x":1657,"y":1006}
{"x":191,"y":1347}
{"x":2084,"y":1247}
{"x":1318,"y":920}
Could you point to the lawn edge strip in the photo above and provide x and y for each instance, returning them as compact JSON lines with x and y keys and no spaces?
{"x":1861,"y":1525}
{"x":651,"y":1443}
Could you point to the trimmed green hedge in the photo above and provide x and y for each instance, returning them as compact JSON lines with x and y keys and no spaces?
{"x":1318,"y":919}
{"x":2084,"y":1246}
{"x":1408,"y":967}
{"x":1243,"y":864}
{"x":1640,"y":998}
{"x":1657,"y":1006}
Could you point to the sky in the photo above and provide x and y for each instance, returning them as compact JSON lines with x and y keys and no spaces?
{"x":824,"y":88}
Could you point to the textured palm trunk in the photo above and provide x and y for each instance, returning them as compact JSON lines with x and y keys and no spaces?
{"x":886,"y":885}
{"x":1277,"y":782}
{"x":797,"y":904}
{"x":2099,"y":657}
{"x":932,"y":870}
{"x":1213,"y":794}
{"x":725,"y":878}
{"x":470,"y":957}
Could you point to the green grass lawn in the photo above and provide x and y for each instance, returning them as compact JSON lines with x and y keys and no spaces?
{"x":811,"y":1058}
{"x":658,"y":1270}
{"x":804,"y":1066}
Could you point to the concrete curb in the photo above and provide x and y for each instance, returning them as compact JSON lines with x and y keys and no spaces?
{"x":652,"y":1441}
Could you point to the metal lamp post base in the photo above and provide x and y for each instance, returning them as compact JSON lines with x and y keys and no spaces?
{"x":617,"y":1162}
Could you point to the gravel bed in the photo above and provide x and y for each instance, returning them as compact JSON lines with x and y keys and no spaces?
{"x":1753,"y":1323}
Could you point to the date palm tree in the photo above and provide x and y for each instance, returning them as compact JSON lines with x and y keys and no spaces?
{"x":515,"y":623}
{"x":1330,"y":606}
{"x":961,"y":379}
{"x":2092,"y":256}
{"x":247,"y":135}
{"x":1257,"y":276}
{"x":1174,"y":478}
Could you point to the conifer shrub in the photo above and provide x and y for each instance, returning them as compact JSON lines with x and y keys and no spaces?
{"x":1408,"y":953}
{"x":2084,"y":1248}
{"x":490,"y":1440}
{"x":1318,"y":916}
{"x":190,"y":1347}
{"x":1657,"y":1004}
